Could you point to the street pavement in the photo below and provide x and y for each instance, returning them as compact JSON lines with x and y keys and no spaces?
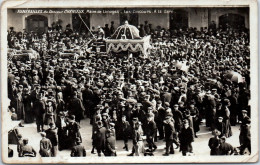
{"x":200,"y":144}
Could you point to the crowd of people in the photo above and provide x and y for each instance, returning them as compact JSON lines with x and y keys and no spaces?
{"x":185,"y":79}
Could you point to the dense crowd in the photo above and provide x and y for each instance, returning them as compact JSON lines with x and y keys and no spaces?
{"x":185,"y":79}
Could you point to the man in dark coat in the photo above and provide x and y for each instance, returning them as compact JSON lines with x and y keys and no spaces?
{"x":39,"y":110}
{"x":110,"y":144}
{"x":210,"y":109}
{"x":245,"y":133}
{"x":186,"y":137}
{"x":87,"y":95}
{"x":220,"y":126}
{"x":126,"y":128}
{"x":76,"y":107}
{"x":178,"y":117}
{"x":214,"y":143}
{"x":78,"y":150}
{"x":146,"y":103}
{"x":100,"y":138}
{"x":161,"y":117}
{"x":225,"y":148}
{"x":52,"y":134}
{"x":170,"y":135}
{"x":150,"y":131}
{"x":166,"y":96}
{"x":73,"y":131}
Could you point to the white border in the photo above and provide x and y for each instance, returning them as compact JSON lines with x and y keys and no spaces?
{"x":136,"y":3}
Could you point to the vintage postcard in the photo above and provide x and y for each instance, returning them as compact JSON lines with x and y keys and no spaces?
{"x":129,"y":81}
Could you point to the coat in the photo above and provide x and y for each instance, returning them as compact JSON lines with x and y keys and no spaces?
{"x":52,"y":134}
{"x":27,"y":151}
{"x":214,"y":146}
{"x":177,"y":116}
{"x":78,"y":151}
{"x":73,"y":133}
{"x":221,"y":127}
{"x":186,"y":137}
{"x":245,"y":134}
{"x":101,"y":138}
{"x":39,"y":110}
{"x":166,"y":97}
{"x":45,"y":147}
{"x":150,"y":129}
{"x":17,"y":103}
{"x":29,"y":114}
{"x":110,"y":146}
{"x":76,"y":108}
{"x":169,"y":131}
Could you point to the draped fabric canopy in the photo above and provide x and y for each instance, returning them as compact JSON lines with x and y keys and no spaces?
{"x":126,"y":31}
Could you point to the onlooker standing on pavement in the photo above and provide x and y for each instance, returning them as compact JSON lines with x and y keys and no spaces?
{"x":52,"y":134}
{"x":45,"y":146}
{"x":186,"y":137}
{"x":78,"y":150}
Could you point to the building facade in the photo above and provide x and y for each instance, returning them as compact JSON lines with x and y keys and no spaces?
{"x":168,"y":18}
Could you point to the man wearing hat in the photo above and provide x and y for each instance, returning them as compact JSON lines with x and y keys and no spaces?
{"x":150,"y":131}
{"x":170,"y":134}
{"x":45,"y":146}
{"x":245,"y":117}
{"x":210,"y":109}
{"x":178,"y":117}
{"x":110,"y":144}
{"x":78,"y":150}
{"x":220,"y":126}
{"x":27,"y":150}
{"x":73,"y":131}
{"x":161,"y":117}
{"x":52,"y":134}
{"x":166,"y":95}
{"x":125,"y":128}
{"x":224,"y":147}
{"x":76,"y":107}
{"x":214,"y":143}
{"x":245,"y":133}
{"x":105,"y":120}
{"x":100,"y":138}
{"x":146,"y":103}
{"x":39,"y":110}
{"x":186,"y":137}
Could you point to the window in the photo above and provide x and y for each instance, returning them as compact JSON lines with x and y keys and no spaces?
{"x":36,"y":23}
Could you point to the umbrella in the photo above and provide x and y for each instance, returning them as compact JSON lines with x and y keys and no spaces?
{"x":235,"y":77}
{"x":184,"y":68}
{"x":179,"y":65}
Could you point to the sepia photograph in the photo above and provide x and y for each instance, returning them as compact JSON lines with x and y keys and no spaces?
{"x":129,"y":82}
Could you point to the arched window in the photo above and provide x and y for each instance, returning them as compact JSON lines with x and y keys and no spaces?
{"x":178,"y":19}
{"x":36,"y":23}
{"x":235,"y":21}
